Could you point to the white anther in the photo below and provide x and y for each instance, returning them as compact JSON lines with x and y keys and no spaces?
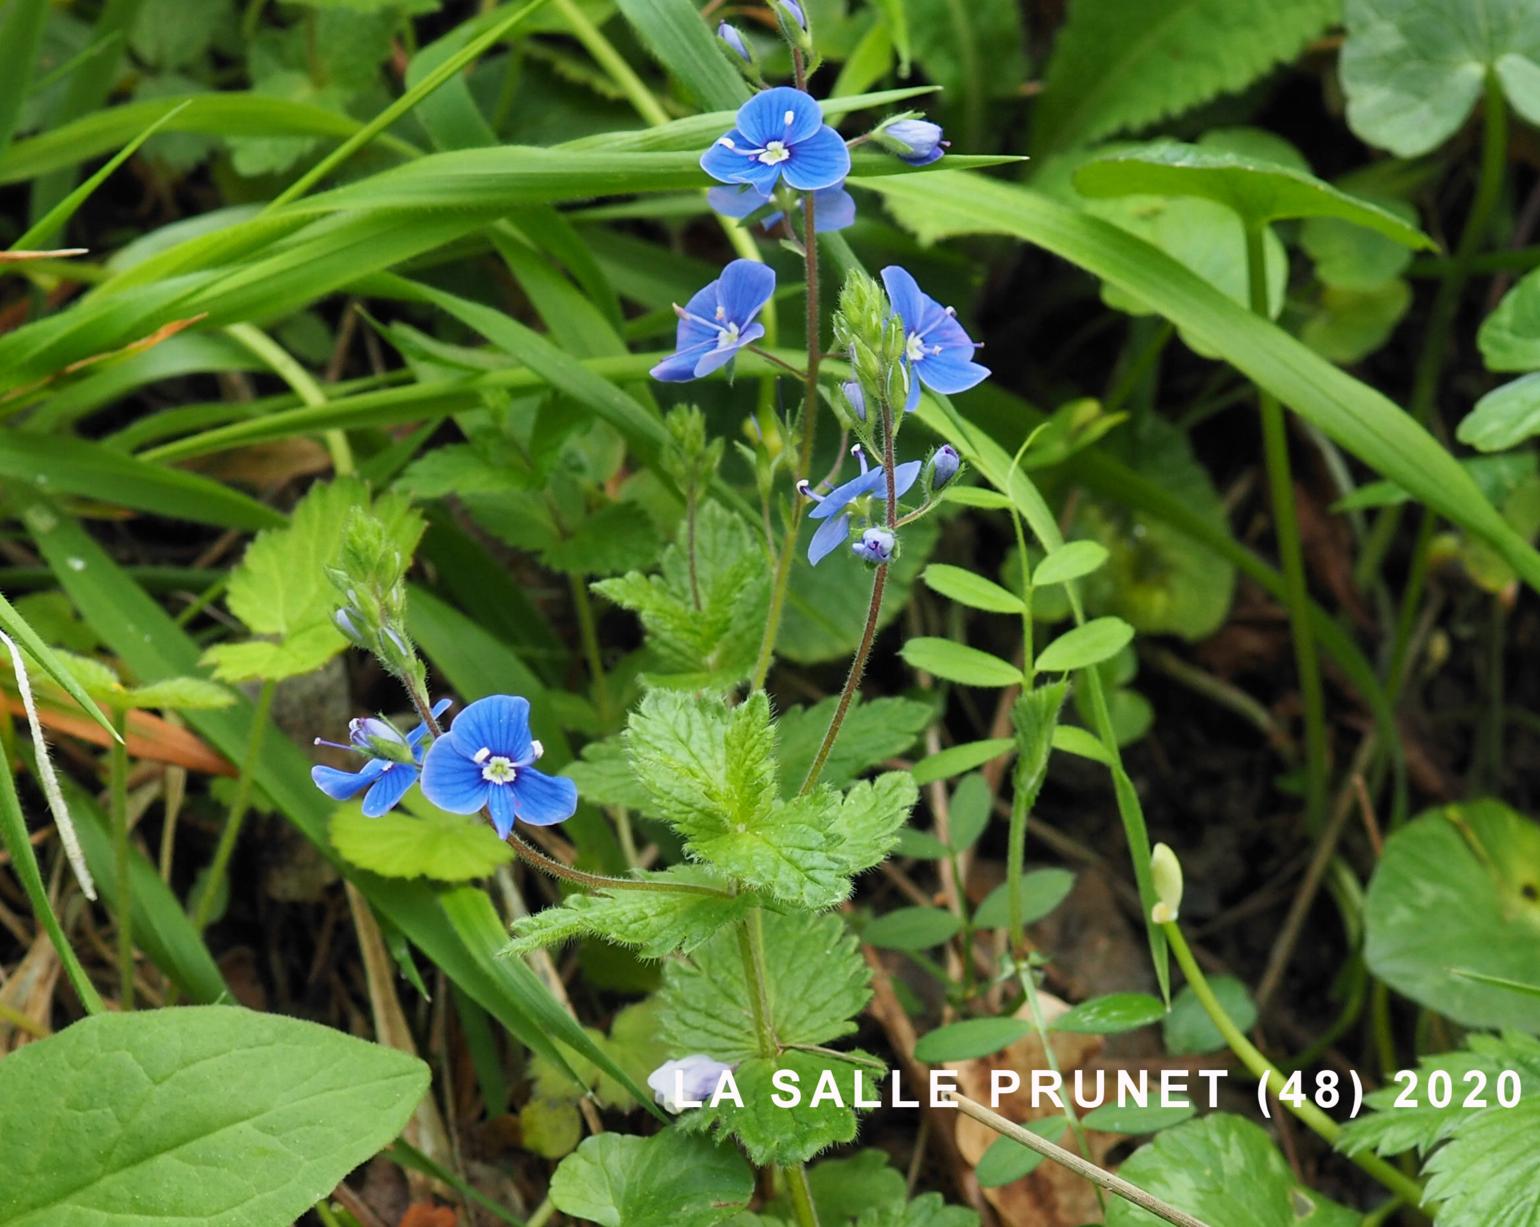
{"x":482,"y":755}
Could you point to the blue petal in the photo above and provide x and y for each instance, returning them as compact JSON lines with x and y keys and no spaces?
{"x":499,"y":723}
{"x":680,"y":367}
{"x":841,"y":496}
{"x":744,"y":288}
{"x":451,"y":781}
{"x":723,"y":163}
{"x":715,"y":359}
{"x":345,"y":785}
{"x":388,"y":789}
{"x":818,"y":162}
{"x":905,"y":295}
{"x":763,"y":117}
{"x":948,"y":372}
{"x":739,"y":200}
{"x":912,"y":400}
{"x":417,"y":734}
{"x":762,"y":176}
{"x":541,"y":799}
{"x":830,"y":536}
{"x":502,"y":805}
{"x":903,"y":477}
{"x":833,"y":209}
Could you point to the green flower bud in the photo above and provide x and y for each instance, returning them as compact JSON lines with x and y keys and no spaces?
{"x":1166,"y":870}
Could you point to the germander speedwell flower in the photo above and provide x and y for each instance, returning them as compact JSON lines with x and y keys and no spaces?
{"x":916,"y":141}
{"x":394,"y":758}
{"x":937,"y":352}
{"x":718,"y":322}
{"x":833,"y":507}
{"x":780,"y":134}
{"x":487,"y":760}
{"x":686,"y":1081}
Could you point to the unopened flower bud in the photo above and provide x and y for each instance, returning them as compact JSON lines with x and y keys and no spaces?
{"x":855,"y":398}
{"x":876,"y":546}
{"x":916,"y":141}
{"x":346,"y":621}
{"x":793,"y":10}
{"x":1166,"y":871}
{"x":944,"y":465}
{"x":728,"y":33}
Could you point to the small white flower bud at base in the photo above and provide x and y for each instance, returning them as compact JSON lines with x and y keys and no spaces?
{"x":1166,"y":871}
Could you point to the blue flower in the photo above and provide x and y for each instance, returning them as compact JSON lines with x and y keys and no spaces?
{"x":920,"y":137}
{"x":855,"y":397}
{"x":937,"y":352}
{"x":832,"y":506}
{"x":392,"y":766}
{"x":833,"y":207}
{"x":944,"y":465}
{"x":794,"y":10}
{"x":486,"y":760}
{"x":780,"y":133}
{"x":718,"y":322}
{"x":876,"y":545}
{"x":729,"y":34}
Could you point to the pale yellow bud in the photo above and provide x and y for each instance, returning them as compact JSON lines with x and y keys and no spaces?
{"x":1167,"y":873}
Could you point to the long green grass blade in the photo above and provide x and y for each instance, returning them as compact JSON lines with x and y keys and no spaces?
{"x":1359,"y":418}
{"x":677,"y":37}
{"x":14,"y":625}
{"x":21,"y":33}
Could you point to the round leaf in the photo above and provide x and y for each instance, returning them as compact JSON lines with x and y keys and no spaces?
{"x":1459,"y":887}
{"x":1188,"y":1030}
{"x":619,"y":1179}
{"x":1504,"y":417}
{"x":1510,"y":336}
{"x":423,"y":843}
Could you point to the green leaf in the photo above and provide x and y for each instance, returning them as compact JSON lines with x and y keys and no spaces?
{"x":817,"y":981}
{"x":1116,"y":1118}
{"x":969,"y":1039}
{"x":954,"y":760}
{"x":782,"y":1136}
{"x":61,"y":465}
{"x":1349,"y":325}
{"x":1459,"y":887}
{"x":870,"y":818}
{"x":1504,"y":417}
{"x":655,"y":922}
{"x":1224,"y":1170}
{"x":14,"y":625}
{"x":1346,"y":258}
{"x":842,"y":1188}
{"x":969,"y":589}
{"x":1115,"y":67}
{"x":970,"y":809}
{"x":956,"y":662}
{"x":1040,"y":891}
{"x":1257,"y":191}
{"x":927,"y":1210}
{"x":145,"y":1109}
{"x":1097,"y":640}
{"x":280,"y":588}
{"x":607,"y":542}
{"x":1188,"y":1030}
{"x":874,"y":731}
{"x":672,"y":30}
{"x":1510,"y":336}
{"x":1487,"y":1171}
{"x":1083,"y":743}
{"x":1413,"y":69}
{"x":1069,"y":562}
{"x":721,"y":637}
{"x":1110,"y":1015}
{"x":179,"y":694}
{"x":419,"y":840}
{"x":1007,"y":1161}
{"x":620,"y":1179}
{"x":912,"y":928}
{"x":1357,"y":417}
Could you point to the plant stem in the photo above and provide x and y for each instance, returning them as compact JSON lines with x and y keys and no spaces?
{"x":117,"y":773}
{"x":588,"y":632}
{"x":1275,"y":444}
{"x":607,"y":58}
{"x":1069,"y":1159}
{"x":238,"y":807}
{"x":873,"y":615}
{"x":1322,"y":1125}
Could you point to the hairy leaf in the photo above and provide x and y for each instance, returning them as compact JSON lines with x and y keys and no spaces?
{"x":619,"y":1179}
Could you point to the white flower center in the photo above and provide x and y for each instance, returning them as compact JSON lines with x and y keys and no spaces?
{"x":497,"y":769}
{"x":727,"y":337}
{"x":774,"y":153}
{"x":915,"y":349}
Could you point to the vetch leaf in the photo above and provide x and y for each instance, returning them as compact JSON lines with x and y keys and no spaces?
{"x":620,"y":1179}
{"x":1459,"y":887}
{"x":1116,"y":1118}
{"x":1413,"y":69}
{"x":1040,"y":891}
{"x":1007,"y":1161}
{"x":1097,"y":640}
{"x":969,"y":589}
{"x":145,"y":1110}
{"x":969,"y":1039}
{"x":1109,"y":1015}
{"x":954,"y":760}
{"x":1070,"y":561}
{"x":912,"y":928}
{"x":956,"y":662}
